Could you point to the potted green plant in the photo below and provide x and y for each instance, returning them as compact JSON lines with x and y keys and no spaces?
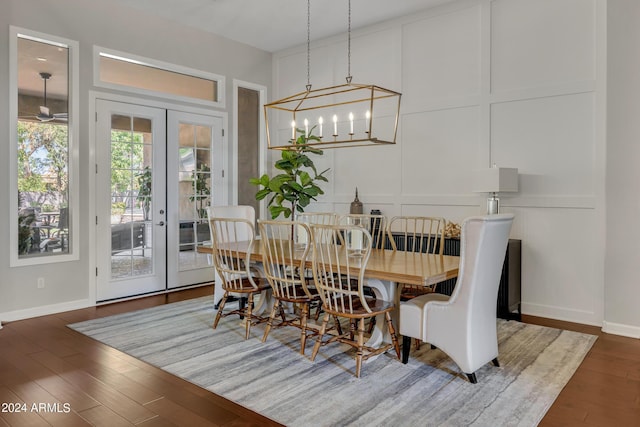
{"x":201,"y":189}
{"x":296,"y":186}
{"x":144,"y":191}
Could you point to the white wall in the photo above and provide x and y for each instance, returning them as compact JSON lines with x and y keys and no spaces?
{"x":622,"y":314}
{"x":519,"y":83}
{"x":90,"y":22}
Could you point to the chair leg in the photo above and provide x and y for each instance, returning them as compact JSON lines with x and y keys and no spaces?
{"x":221,"y":304}
{"x":496,"y":362}
{"x":303,"y":326}
{"x":248,"y":309}
{"x":323,"y":328}
{"x":283,"y":316}
{"x":392,"y":331}
{"x":406,"y":348}
{"x":472,"y":378}
{"x":267,"y":329}
{"x":338,"y":326}
{"x":372,"y":324}
{"x":360,"y":352}
{"x":352,"y":329}
{"x":242,"y":303}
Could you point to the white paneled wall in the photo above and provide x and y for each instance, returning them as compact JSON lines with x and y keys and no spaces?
{"x":511,"y":82}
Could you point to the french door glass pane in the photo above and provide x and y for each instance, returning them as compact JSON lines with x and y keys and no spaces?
{"x":131,"y":203}
{"x":194,"y":175}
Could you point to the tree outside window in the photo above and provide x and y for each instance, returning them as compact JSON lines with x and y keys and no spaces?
{"x":43,"y":187}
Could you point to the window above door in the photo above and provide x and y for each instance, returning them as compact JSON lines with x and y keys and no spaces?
{"x":136,"y":74}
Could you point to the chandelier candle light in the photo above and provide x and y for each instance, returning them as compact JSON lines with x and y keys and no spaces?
{"x":361,"y":114}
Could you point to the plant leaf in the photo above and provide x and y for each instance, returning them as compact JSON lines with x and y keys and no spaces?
{"x":262,"y":193}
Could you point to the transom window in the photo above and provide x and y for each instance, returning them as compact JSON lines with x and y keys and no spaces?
{"x":119,"y":70}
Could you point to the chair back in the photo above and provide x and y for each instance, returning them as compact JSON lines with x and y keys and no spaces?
{"x":310,"y":218}
{"x":338,"y":272}
{"x":376,"y":226}
{"x":283,"y":259}
{"x":230,"y":237}
{"x":322,"y":218}
{"x":418,"y":233}
{"x":233,"y":211}
{"x":483,"y":246}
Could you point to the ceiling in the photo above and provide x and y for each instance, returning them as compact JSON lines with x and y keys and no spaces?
{"x":270,"y":25}
{"x":273,"y":25}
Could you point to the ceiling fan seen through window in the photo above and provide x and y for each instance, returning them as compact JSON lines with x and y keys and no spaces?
{"x":45,"y":114}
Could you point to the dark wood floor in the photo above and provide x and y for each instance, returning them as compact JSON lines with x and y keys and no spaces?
{"x":87,"y":383}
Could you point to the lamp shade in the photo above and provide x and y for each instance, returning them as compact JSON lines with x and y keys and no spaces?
{"x":495,"y":180}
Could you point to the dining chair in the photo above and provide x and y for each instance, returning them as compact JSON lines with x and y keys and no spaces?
{"x":417,"y":234}
{"x":228,"y":211}
{"x":284,"y":261}
{"x":375,"y":224}
{"x":463,"y":325}
{"x":326,"y":218}
{"x":322,"y":218}
{"x":337,"y":267}
{"x":230,"y":236}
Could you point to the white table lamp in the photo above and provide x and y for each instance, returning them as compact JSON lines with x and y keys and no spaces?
{"x":495,"y":180}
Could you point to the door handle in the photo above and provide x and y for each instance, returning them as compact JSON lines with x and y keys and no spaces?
{"x":160,"y":223}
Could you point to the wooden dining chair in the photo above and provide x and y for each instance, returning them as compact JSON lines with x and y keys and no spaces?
{"x":324,"y":218}
{"x":336,"y":268}
{"x":230,"y":236}
{"x":417,"y":234}
{"x":375,"y":224}
{"x":310,"y":218}
{"x":284,"y":261}
{"x":229,"y":211}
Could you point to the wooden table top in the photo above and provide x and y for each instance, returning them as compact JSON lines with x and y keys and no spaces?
{"x":395,"y":266}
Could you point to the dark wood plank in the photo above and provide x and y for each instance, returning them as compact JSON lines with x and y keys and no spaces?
{"x":107,"y":395}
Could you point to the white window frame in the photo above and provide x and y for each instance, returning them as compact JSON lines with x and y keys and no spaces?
{"x":73,"y":159}
{"x":140,"y":60}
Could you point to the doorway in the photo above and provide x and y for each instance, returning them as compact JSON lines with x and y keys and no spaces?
{"x":157,"y":172}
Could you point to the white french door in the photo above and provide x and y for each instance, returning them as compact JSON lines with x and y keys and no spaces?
{"x":157,"y":171}
{"x":194,"y":182}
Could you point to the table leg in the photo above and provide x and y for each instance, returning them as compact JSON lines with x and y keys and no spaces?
{"x":387,"y":291}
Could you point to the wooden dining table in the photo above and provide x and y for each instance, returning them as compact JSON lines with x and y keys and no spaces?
{"x":385,"y":271}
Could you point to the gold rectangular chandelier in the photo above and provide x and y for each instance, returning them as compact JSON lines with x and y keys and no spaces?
{"x":348,"y":115}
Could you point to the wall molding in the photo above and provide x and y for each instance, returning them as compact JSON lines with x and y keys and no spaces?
{"x":561,"y":313}
{"x":621,"y":329}
{"x":44,"y":310}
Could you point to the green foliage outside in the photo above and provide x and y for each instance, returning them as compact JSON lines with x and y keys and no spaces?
{"x":42,"y":154}
{"x":201,"y":190}
{"x":127,"y":153}
{"x":42,"y":157}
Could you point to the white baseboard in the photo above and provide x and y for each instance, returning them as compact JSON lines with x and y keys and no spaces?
{"x":561,"y":313}
{"x":620,"y":329}
{"x":44,"y":310}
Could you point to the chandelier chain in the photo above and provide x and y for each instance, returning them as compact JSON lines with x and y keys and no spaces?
{"x":308,"y":45}
{"x":349,"y":47}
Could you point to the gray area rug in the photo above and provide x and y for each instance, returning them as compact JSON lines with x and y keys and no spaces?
{"x":273,"y":379}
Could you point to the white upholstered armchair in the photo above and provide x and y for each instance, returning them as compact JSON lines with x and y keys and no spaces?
{"x":464,"y":325}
